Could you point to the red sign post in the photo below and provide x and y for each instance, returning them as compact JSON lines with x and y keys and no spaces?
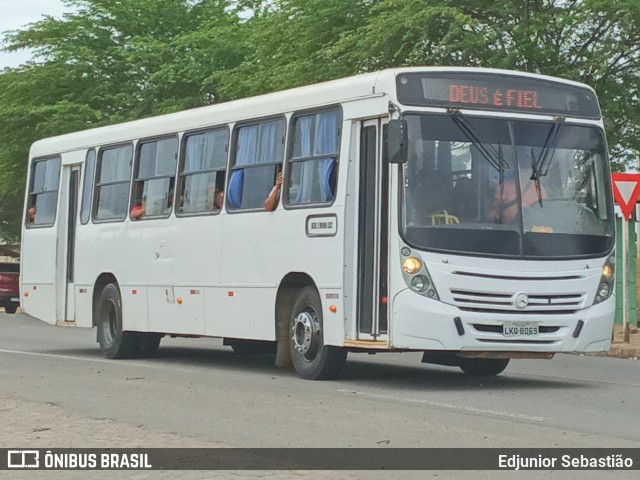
{"x":626,"y":190}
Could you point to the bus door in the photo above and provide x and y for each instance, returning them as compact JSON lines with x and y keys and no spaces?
{"x":373,"y":231}
{"x":66,"y":242}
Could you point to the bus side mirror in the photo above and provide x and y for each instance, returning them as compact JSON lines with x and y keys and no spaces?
{"x":395,"y":141}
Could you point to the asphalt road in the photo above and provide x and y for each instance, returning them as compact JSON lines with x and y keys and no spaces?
{"x":56,"y":390}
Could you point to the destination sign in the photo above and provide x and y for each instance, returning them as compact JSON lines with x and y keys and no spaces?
{"x":491,"y":91}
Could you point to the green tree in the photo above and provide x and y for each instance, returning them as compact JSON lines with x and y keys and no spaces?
{"x":113,"y":61}
{"x":296,"y":42}
{"x":593,"y":41}
{"x":289,"y":41}
{"x":109,"y":61}
{"x":132,"y":58}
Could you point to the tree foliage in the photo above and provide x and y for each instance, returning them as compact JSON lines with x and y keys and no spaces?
{"x":109,"y":61}
{"x":592,"y":41}
{"x":116,"y":60}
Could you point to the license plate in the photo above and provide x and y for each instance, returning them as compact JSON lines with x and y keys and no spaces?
{"x":520,"y":329}
{"x":15,"y":299}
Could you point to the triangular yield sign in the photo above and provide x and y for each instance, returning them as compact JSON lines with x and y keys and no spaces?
{"x":626,"y":189}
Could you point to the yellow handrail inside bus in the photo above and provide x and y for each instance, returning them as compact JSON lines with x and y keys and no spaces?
{"x":443,"y":218}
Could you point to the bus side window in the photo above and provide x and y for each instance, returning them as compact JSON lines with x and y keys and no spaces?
{"x":259,"y":149}
{"x":113,"y":173}
{"x":202,"y":172}
{"x":43,"y":192}
{"x":154,"y":179}
{"x":313,"y":159}
{"x":87,"y":187}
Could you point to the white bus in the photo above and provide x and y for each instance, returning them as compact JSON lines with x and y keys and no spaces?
{"x":464,"y":213}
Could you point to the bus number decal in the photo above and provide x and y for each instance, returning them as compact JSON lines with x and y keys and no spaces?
{"x":322,"y":225}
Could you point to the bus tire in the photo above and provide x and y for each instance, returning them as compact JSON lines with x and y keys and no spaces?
{"x":312,"y":360}
{"x":10,"y":309}
{"x":483,"y":366}
{"x":114,"y":342}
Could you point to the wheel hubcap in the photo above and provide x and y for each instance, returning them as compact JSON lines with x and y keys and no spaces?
{"x":305,"y":334}
{"x":110,"y":323}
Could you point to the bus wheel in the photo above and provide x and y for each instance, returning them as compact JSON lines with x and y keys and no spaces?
{"x":114,"y":343}
{"x":310,"y":357}
{"x":10,"y":309}
{"x":483,"y":366}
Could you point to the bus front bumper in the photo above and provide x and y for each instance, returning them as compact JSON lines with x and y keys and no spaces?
{"x":419,"y":323}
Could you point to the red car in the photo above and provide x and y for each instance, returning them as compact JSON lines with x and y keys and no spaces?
{"x":9,"y":287}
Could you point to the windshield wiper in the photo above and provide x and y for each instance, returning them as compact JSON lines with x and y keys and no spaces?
{"x":488,"y":151}
{"x":540,"y":166}
{"x":535,"y":176}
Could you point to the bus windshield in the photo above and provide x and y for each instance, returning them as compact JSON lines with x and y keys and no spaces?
{"x":503,"y":187}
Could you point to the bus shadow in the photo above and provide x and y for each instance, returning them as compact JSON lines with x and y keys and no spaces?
{"x":357,"y":372}
{"x":192,"y":356}
{"x":406,"y":377}
{"x":221,"y":357}
{"x":434,"y":377}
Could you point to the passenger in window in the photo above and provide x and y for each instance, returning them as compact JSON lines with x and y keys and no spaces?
{"x":271,"y":202}
{"x":218,"y":198}
{"x":138,"y":210}
{"x":215,"y":196}
{"x":505,"y":206}
{"x":169,"y":201}
{"x":31,"y":213}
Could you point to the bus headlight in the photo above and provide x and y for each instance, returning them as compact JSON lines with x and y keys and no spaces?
{"x":419,"y":283}
{"x":605,"y":287}
{"x":604,"y":290}
{"x":411,"y":265}
{"x":416,"y":275}
{"x":607,"y":272}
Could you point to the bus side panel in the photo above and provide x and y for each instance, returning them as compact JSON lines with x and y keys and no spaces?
{"x":99,"y":250}
{"x":84,"y":305}
{"x":253,"y":266}
{"x":39,"y":273}
{"x":176,"y":260}
{"x":135,"y":307}
{"x":241,"y":312}
{"x":86,"y":274}
{"x":176,"y":310}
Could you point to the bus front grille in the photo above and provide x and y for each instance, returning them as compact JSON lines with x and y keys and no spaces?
{"x":504,"y":302}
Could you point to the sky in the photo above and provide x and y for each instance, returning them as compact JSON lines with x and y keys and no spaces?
{"x":15,"y":14}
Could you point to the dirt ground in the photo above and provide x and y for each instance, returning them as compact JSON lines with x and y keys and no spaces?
{"x":622,"y":349}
